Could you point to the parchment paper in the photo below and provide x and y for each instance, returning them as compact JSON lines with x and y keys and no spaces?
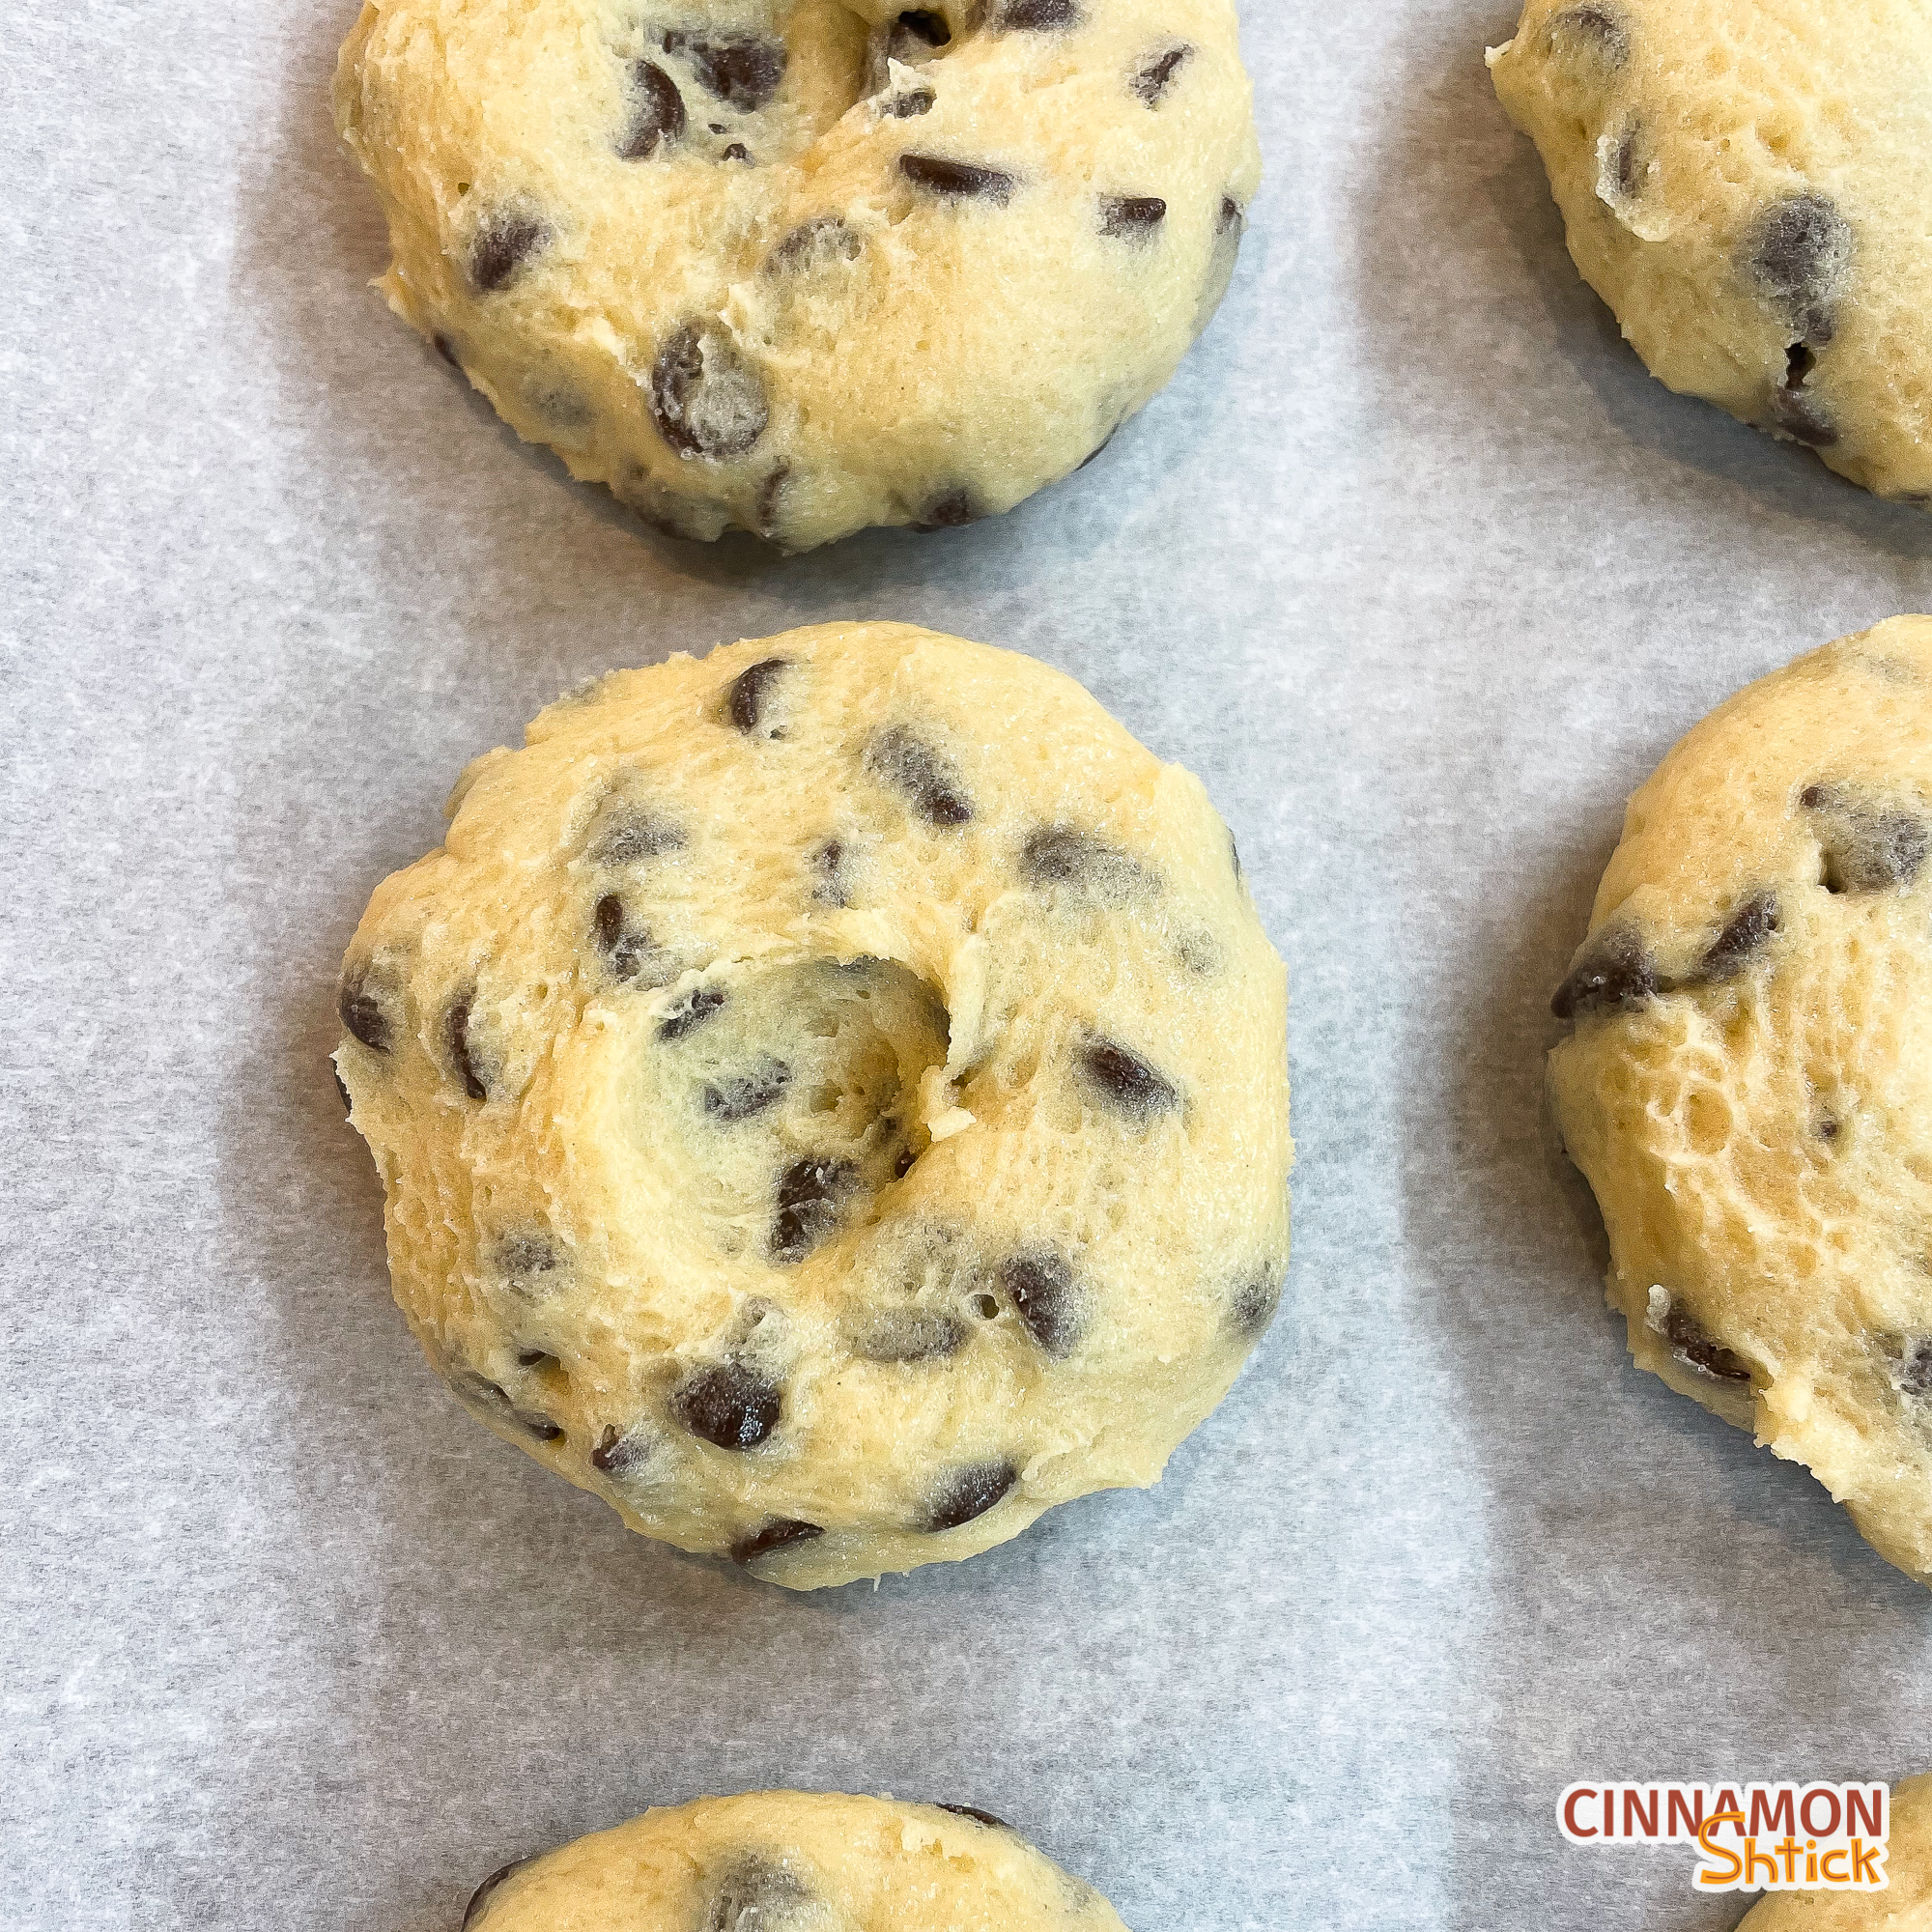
{"x":1421,"y":572}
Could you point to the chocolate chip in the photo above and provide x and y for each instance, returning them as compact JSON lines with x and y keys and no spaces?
{"x":1042,"y":1290}
{"x":926,"y":26}
{"x":815,"y":243}
{"x":707,"y":400}
{"x":502,"y":246}
{"x":1748,"y":930}
{"x":456,"y":1030}
{"x":362,"y":1012}
{"x":915,"y":100}
{"x":977,"y":1816}
{"x":609,"y":919}
{"x":1124,"y":1081}
{"x":910,"y":765}
{"x":734,"y":1405}
{"x":756,"y":1896}
{"x":1797,"y":252}
{"x":1865,"y":847}
{"x":912,"y":1335}
{"x":1061,"y":855}
{"x":631,"y":834}
{"x":342,"y":1088}
{"x":619,"y":1451}
{"x":958,"y":178}
{"x":781,"y":1534}
{"x":658,"y":114}
{"x":967,"y":1493}
{"x":626,"y":950}
{"x":1615,"y":974}
{"x":1802,"y":417}
{"x":1154,"y":79}
{"x":749,"y":688}
{"x":479,"y":1899}
{"x":828,"y":862}
{"x":1696,"y":1344}
{"x":444,"y":348}
{"x":1913,"y":1375}
{"x":746,"y":72}
{"x":1255,"y":1303}
{"x":1037,"y":16}
{"x":1131,"y":217}
{"x":746,"y":1094}
{"x":808,"y":1195}
{"x":736,"y":151}
{"x":690,"y":1012}
{"x":950,"y":511}
{"x":1596,"y":28}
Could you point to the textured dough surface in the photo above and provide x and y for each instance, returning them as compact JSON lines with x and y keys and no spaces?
{"x":793,"y":1861}
{"x":1747,"y":184}
{"x":1905,"y":1905}
{"x":1749,"y":1086}
{"x":787,"y":265}
{"x":831,"y":1098}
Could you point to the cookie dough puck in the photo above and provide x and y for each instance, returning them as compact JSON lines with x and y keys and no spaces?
{"x":1747,"y":184}
{"x":831,"y":1098}
{"x":798,"y":267}
{"x":1747,"y":1084}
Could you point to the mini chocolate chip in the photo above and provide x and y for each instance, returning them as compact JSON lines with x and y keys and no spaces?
{"x":456,"y":1030}
{"x":924,"y":24}
{"x":707,"y":400}
{"x":808,"y":1195}
{"x":362,"y":1013}
{"x":446,"y":350}
{"x":967,"y":1493}
{"x":910,"y":765}
{"x":1041,"y":1287}
{"x":1915,"y":1367}
{"x":958,"y":178}
{"x":1230,"y":216}
{"x":502,"y":246}
{"x":619,"y":1451}
{"x":1829,"y":1129}
{"x":625,"y":949}
{"x":814,"y":243}
{"x":658,"y":114}
{"x":734,"y":1405}
{"x":977,"y":1816}
{"x":746,"y":72}
{"x":1255,"y":1303}
{"x":915,"y":100}
{"x":1596,"y":28}
{"x":609,"y":919}
{"x":1748,"y":930}
{"x":736,"y":151}
{"x":1796,"y":251}
{"x":951,"y":511}
{"x":690,"y":1012}
{"x":912,"y":1335}
{"x":828,"y":862}
{"x":1126,"y":1081}
{"x":1616,"y":973}
{"x":1866,"y":848}
{"x":779,"y":1534}
{"x":479,"y":1899}
{"x":342,"y":1088}
{"x":1061,"y":855}
{"x":746,"y":1094}
{"x":1131,"y":217}
{"x":1036,"y":15}
{"x":1697,"y":1345}
{"x":635,"y":833}
{"x":749,"y":688}
{"x":1155,"y":77}
{"x":1801,"y":418}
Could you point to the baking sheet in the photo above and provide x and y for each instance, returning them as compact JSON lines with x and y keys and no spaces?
{"x":1418,"y":569}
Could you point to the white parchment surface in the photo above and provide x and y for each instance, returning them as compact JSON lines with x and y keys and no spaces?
{"x":1412,"y":564}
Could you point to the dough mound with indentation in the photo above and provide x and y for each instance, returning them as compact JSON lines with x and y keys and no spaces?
{"x":793,"y":1861}
{"x":1905,"y":1905}
{"x":799,"y":266}
{"x":1747,"y":184}
{"x":830,"y":1097}
{"x":1748,"y":1085}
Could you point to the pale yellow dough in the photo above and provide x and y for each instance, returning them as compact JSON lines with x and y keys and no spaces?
{"x":1748,"y":1086}
{"x":1747,"y":184}
{"x":793,"y":1861}
{"x":832,"y":1098}
{"x":718,"y":254}
{"x":1905,"y":1905}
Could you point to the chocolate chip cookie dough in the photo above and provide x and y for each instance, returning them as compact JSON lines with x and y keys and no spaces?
{"x":1748,"y":1085}
{"x":799,"y":266}
{"x":793,"y":1861}
{"x":1745,"y":182}
{"x":831,"y":1098}
{"x":1905,"y":1905}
